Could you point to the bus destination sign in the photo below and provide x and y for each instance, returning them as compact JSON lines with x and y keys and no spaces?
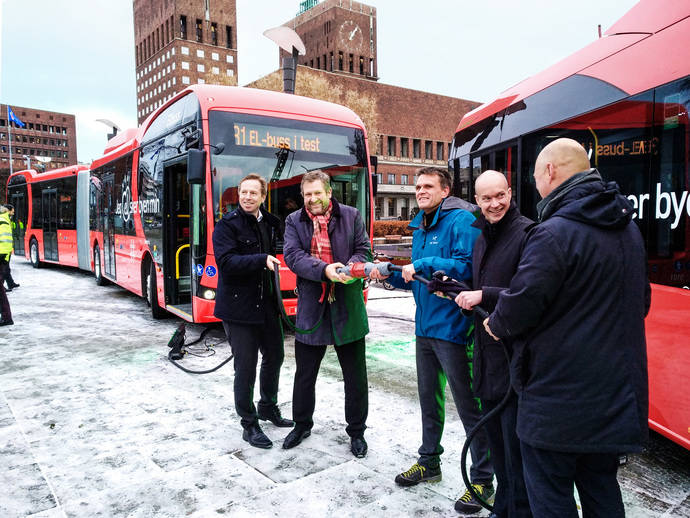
{"x":258,"y":135}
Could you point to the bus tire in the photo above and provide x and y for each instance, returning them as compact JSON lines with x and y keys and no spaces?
{"x":152,"y":293}
{"x":97,"y":268}
{"x":33,"y":253}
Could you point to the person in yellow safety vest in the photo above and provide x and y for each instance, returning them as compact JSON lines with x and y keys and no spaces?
{"x":5,"y":253}
{"x":8,"y":274}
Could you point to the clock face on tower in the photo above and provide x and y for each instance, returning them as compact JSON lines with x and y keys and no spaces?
{"x":351,"y":35}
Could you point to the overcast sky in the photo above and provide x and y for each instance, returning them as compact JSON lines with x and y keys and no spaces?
{"x":77,"y":56}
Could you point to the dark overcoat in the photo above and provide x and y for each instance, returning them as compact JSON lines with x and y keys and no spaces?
{"x":495,"y":259}
{"x":244,"y":285}
{"x":576,"y":309}
{"x":346,"y":318}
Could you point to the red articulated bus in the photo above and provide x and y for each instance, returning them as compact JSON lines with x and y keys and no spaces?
{"x":625,"y":97}
{"x":46,"y":214}
{"x":147,"y":208}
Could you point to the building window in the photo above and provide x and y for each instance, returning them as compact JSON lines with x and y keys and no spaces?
{"x":185,"y":50}
{"x":215,"y":70}
{"x":404,"y":147}
{"x":391,"y":178}
{"x":351,"y":67}
{"x":416,"y":145}
{"x":185,"y":80}
{"x":403,"y":179}
{"x":391,"y":207}
{"x":214,"y":34}
{"x":229,"y":58}
{"x":318,"y":62}
{"x":428,"y":150}
{"x":183,"y":27}
{"x":330,"y":64}
{"x":228,"y":36}
{"x":200,"y":67}
{"x":391,"y":146}
{"x":199,"y":31}
{"x":230,"y":72}
{"x":361,"y":66}
{"x":200,"y":53}
{"x":439,"y":150}
{"x":340,"y":60}
{"x":185,"y":65}
{"x":379,"y":178}
{"x":214,"y":56}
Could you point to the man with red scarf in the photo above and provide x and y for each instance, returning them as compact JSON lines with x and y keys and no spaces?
{"x":319,"y":238}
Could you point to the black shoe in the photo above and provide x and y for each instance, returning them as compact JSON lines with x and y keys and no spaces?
{"x":15,"y":285}
{"x":256,"y":437}
{"x":468,"y":503}
{"x":296,"y":436}
{"x":7,"y":290}
{"x":6,"y":322}
{"x":274,"y":416}
{"x":418,"y":473}
{"x":358,"y":447}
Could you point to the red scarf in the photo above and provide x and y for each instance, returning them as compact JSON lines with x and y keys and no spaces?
{"x":321,"y":244}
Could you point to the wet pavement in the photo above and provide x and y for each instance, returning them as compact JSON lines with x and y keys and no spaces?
{"x":94,"y":421}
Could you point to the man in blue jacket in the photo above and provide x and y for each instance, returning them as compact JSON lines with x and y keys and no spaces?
{"x":575,"y":310}
{"x":442,"y":240}
{"x":244,"y":242}
{"x":319,"y":238}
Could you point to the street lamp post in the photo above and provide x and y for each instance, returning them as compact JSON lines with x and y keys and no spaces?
{"x":288,"y":40}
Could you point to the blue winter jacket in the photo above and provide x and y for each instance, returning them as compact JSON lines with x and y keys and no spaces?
{"x":446,"y":245}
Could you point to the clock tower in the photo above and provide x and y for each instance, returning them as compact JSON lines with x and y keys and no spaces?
{"x":339,"y":35}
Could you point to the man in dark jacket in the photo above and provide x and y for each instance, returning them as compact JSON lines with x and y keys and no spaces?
{"x":244,"y":245}
{"x":442,"y":240}
{"x":319,"y":238}
{"x":494,"y":261}
{"x":576,"y":310}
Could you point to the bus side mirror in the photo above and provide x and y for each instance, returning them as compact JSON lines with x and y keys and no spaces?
{"x":196,"y":166}
{"x":374,"y":161}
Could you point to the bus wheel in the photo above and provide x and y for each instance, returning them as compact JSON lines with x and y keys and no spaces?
{"x":97,"y":270}
{"x":33,"y":253}
{"x":152,"y":293}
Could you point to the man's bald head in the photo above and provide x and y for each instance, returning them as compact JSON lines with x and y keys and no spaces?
{"x":492,"y":195}
{"x":490,"y":178}
{"x":557,"y":162}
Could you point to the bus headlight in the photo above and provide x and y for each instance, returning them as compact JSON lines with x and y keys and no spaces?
{"x":208,"y":293}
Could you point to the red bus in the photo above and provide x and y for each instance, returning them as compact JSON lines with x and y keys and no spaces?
{"x":153,"y":198}
{"x":625,"y":97}
{"x":48,"y":224}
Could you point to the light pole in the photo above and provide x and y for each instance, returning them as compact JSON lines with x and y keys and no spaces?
{"x":288,"y":40}
{"x":111,"y":125}
{"x":28,"y":161}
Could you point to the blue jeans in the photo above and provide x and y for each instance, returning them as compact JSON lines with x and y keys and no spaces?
{"x":439,"y":361}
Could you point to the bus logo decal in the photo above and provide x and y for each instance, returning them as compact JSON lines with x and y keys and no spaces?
{"x":199,"y":270}
{"x":210,"y":271}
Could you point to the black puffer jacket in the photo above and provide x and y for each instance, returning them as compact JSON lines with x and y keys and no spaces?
{"x":576,"y":309}
{"x":244,"y":283}
{"x":494,"y":261}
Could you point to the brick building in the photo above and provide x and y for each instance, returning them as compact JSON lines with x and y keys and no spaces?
{"x":407,"y":129}
{"x":48,"y":138}
{"x":339,"y":35}
{"x":182,"y":42}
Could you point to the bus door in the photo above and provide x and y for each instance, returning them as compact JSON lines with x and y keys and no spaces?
{"x":177,"y":264}
{"x":18,"y":201}
{"x":108,"y":209}
{"x":49,"y":216}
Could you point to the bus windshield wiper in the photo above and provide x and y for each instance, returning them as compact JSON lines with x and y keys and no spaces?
{"x":282,"y":156}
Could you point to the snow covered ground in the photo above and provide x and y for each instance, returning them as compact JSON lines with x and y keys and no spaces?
{"x":94,"y":421}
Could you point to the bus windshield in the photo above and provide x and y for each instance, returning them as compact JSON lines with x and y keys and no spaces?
{"x":281,"y":151}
